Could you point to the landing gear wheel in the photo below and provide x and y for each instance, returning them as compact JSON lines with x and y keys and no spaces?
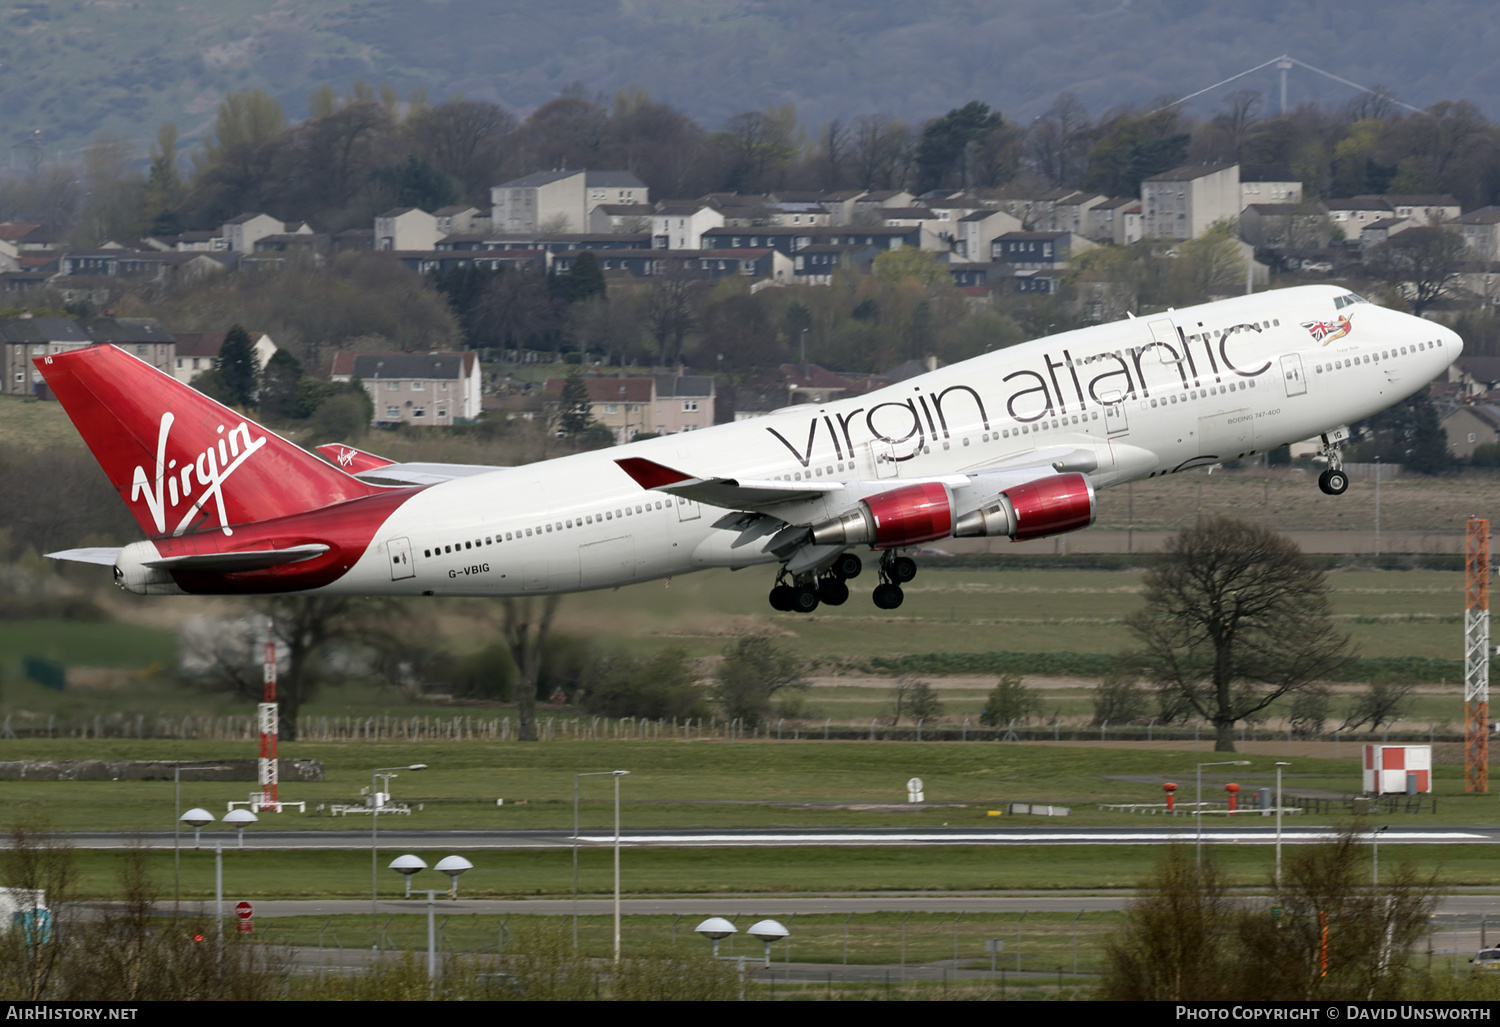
{"x":888,"y":597}
{"x":903,"y":569}
{"x":804,"y":599}
{"x":833,"y":591}
{"x":1333,"y":482}
{"x":848,"y":565}
{"x":781,"y":598}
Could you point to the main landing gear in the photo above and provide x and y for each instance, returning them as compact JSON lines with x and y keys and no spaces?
{"x":804,"y":593}
{"x":1334,"y":482}
{"x":895,"y":571}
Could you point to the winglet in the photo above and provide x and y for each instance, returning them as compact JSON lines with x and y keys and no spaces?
{"x":651,"y":475}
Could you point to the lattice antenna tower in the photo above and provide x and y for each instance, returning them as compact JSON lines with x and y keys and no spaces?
{"x":268,"y":726}
{"x":1477,"y":657}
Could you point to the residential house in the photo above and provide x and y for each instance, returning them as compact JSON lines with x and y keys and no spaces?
{"x":1286,"y":226}
{"x":1184,"y":202}
{"x":976,"y":231}
{"x":1470,"y":426}
{"x":815,"y":265}
{"x":1434,"y":209}
{"x":620,"y":218}
{"x":196,"y":352}
{"x":406,"y":228}
{"x":626,"y":406}
{"x":970,"y":275}
{"x":684,"y":402}
{"x":680,"y":224}
{"x":1378,"y":232}
{"x":1481,"y":232}
{"x":25,"y":338}
{"x":118,"y":261}
{"x":141,"y":337}
{"x":840,"y":205}
{"x":415,"y":388}
{"x":461,"y":219}
{"x":432,"y":261}
{"x":1268,"y":183}
{"x":1351,"y":214}
{"x":1037,"y":250}
{"x":763,"y":263}
{"x":1069,"y":212}
{"x":1116,"y":220}
{"x":868,"y":207}
{"x":239,"y":234}
{"x":790,"y":239}
{"x":560,"y":201}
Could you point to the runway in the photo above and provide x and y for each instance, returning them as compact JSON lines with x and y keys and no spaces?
{"x":784,"y":838}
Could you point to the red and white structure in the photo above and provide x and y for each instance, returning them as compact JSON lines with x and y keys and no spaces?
{"x":1477,"y":657}
{"x":268,"y":727}
{"x":1387,"y":768}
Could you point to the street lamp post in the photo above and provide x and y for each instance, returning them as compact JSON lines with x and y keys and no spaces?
{"x":374,"y":844}
{"x":177,"y":834}
{"x":1198,"y":806}
{"x":1278,"y":826}
{"x":616,"y":774}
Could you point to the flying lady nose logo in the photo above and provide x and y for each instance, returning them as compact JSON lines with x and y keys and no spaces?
{"x":172,"y":486}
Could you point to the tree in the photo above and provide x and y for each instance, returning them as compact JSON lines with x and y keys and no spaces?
{"x":239,"y":372}
{"x":1410,"y":434}
{"x":1383,"y":702}
{"x":575,"y":412}
{"x":896,"y":266}
{"x":1422,"y":262}
{"x":1338,"y":937}
{"x":1119,"y":699}
{"x":1235,"y":618}
{"x":914,"y":699}
{"x":943,"y":154}
{"x":584,"y":280}
{"x":280,"y":386}
{"x":753,"y":673}
{"x":657,"y":687}
{"x":1207,"y":267}
{"x":1176,"y":941}
{"x":306,"y":627}
{"x":1009,"y":701}
{"x":525,"y":624}
{"x":670,"y":316}
{"x":1135,"y":148}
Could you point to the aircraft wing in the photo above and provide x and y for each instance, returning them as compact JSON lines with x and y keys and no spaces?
{"x":729,"y":493}
{"x":377,"y":470}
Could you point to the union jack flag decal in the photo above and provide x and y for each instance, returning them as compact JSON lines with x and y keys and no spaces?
{"x":1326,"y":331}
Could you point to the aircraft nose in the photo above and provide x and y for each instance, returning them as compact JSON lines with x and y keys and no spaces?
{"x":1456,"y":340}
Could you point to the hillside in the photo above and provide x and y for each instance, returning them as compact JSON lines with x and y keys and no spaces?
{"x":73,"y":68}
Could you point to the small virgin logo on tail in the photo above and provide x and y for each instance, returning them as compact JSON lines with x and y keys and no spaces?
{"x":171,"y":487}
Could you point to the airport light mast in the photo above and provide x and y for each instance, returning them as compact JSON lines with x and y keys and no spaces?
{"x":268,"y":727}
{"x":1477,"y":657}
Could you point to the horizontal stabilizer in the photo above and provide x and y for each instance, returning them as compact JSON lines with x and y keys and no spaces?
{"x":422,"y":474}
{"x":244,"y":560}
{"x":347,"y":458}
{"x":104,"y":556}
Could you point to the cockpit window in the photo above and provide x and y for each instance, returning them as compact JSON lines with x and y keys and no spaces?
{"x":1346,"y":300}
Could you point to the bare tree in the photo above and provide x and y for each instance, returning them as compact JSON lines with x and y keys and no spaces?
{"x":670,"y":316}
{"x":1424,"y":262}
{"x":464,"y":139}
{"x":525,"y":622}
{"x":1235,"y":618}
{"x":1058,"y":142}
{"x":1384,"y":702}
{"x":914,"y":699}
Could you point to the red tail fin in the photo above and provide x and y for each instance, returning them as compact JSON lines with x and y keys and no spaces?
{"x":181,"y":461}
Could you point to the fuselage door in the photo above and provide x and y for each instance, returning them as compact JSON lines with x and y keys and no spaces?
{"x":399,"y":552}
{"x":1291,"y":374}
{"x":687,"y":510}
{"x":1114,"y":412}
{"x":883,"y":456}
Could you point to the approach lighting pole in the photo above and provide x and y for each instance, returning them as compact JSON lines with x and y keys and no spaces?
{"x":1198,"y":806}
{"x":1477,"y":657}
{"x":374,"y":845}
{"x":1278,"y":826}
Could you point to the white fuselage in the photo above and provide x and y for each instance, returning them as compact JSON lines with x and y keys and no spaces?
{"x":1144,"y":396}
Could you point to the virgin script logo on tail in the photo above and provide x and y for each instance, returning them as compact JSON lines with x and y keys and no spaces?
{"x":172,"y":487}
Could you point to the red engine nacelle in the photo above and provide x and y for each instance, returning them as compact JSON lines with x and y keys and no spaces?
{"x":901,"y":517}
{"x":1047,"y":506}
